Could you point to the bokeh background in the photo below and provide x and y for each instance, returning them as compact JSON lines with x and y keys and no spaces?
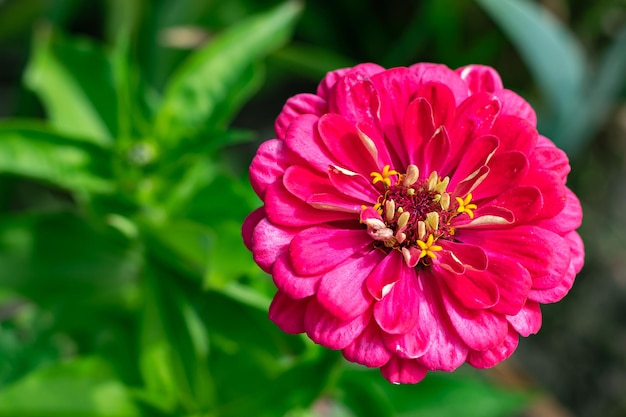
{"x":126,"y":130}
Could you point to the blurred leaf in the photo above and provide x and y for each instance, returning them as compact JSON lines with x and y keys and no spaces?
{"x":262,"y":371}
{"x":438,"y":395}
{"x":212,"y":84}
{"x":311,"y":61}
{"x":594,"y":107}
{"x":551,"y":52}
{"x":174,"y":348}
{"x":74,"y":79}
{"x":81,"y":388}
{"x":183,"y":244}
{"x":59,"y":258}
{"x":17,"y":16}
{"x":35,"y":152}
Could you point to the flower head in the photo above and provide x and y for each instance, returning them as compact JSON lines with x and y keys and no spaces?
{"x":413,"y":218}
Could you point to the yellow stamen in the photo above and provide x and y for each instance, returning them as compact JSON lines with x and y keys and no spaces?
{"x":384,"y":176}
{"x":465,"y":206}
{"x":428,"y":249}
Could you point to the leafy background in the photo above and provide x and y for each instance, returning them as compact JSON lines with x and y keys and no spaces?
{"x":126,"y":132}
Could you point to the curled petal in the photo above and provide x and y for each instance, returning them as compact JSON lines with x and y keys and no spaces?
{"x":269,"y":241}
{"x":327,"y":330}
{"x":480,"y":78}
{"x":528,"y":320}
{"x":403,"y":371}
{"x":368,"y":348}
{"x":342,"y":291}
{"x":268,"y":165}
{"x":297,"y":106}
{"x":491,"y":357}
{"x":288,"y":314}
{"x":405,"y":293}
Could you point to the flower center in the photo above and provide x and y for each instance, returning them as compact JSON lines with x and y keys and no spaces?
{"x":412,"y":214}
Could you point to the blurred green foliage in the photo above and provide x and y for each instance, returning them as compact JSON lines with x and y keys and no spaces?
{"x":125,"y":289}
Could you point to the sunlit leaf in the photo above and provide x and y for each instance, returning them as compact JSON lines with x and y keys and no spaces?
{"x":38,"y":153}
{"x":82,"y":388}
{"x":212,"y":84}
{"x":74,"y":80}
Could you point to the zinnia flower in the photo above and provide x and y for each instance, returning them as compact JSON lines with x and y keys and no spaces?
{"x":413,"y":218}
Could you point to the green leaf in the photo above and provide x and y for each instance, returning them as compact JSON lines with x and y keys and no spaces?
{"x":213,"y":83}
{"x":174,"y":347}
{"x":59,"y":259}
{"x":81,"y":388}
{"x":183,"y":244}
{"x":438,"y":395}
{"x":35,"y":152}
{"x":74,"y":79}
{"x":549,"y":49}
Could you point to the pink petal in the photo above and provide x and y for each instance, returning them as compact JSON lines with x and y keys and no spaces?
{"x":343,"y":142}
{"x":329,"y":331}
{"x":551,"y":158}
{"x":553,"y":191}
{"x":475,"y":157}
{"x":355,"y":98}
{"x":285,"y":209}
{"x":474,"y":118}
{"x":318,"y":249}
{"x":577,"y":250}
{"x":469,"y":256}
{"x":268,"y":165}
{"x":416,"y":341}
{"x":288,"y":314}
{"x":290,"y":283}
{"x":418,"y":128}
{"x":403,"y":371}
{"x":524,"y":202}
{"x":474,"y":290}
{"x":380,"y":281}
{"x":447,"y":351}
{"x":515,"y":134}
{"x":334,"y":202}
{"x":353,"y":185}
{"x":557,"y":292}
{"x":269,"y":241}
{"x":506,"y":170}
{"x":302,"y":182}
{"x":528,"y":320}
{"x":438,"y":73}
{"x":543,"y":253}
{"x":342,"y":291}
{"x":398,"y":311}
{"x":570,"y":218}
{"x":514,"y":105}
{"x":436,"y":151}
{"x":480,"y":78}
{"x":479,"y":329}
{"x":513,"y":282}
{"x":297,"y":106}
{"x":396,"y":90}
{"x":250,"y":222}
{"x":441,"y":101}
{"x":303,"y":139}
{"x":491,"y":357}
{"x":365,"y":70}
{"x":368,"y":348}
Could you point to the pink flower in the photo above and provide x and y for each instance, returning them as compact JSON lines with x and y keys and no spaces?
{"x":413,"y":218}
